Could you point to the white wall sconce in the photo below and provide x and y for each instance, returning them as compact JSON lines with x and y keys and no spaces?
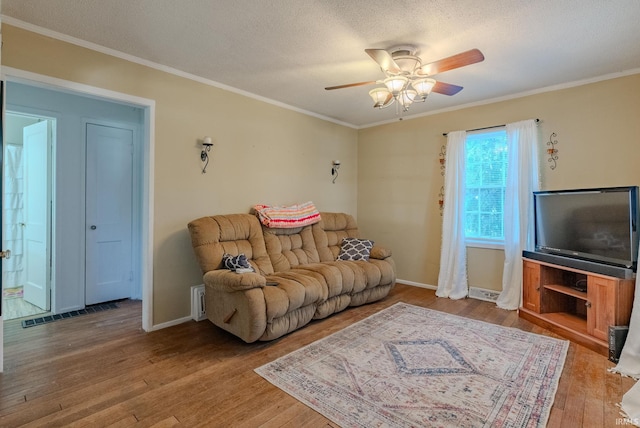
{"x":334,"y":170}
{"x":204,"y":155}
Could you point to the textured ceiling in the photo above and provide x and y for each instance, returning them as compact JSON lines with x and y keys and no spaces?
{"x":289,"y":50}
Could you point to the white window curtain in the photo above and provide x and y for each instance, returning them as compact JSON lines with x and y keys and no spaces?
{"x":452,"y":280}
{"x":629,"y":363}
{"x":522,"y":180}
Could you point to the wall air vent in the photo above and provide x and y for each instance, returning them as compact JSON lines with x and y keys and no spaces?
{"x":483,"y":294}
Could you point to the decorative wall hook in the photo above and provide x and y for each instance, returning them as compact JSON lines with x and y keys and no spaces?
{"x":441,"y":199}
{"x":204,"y":155}
{"x":334,"y":170}
{"x":443,"y":158}
{"x":552,"y":151}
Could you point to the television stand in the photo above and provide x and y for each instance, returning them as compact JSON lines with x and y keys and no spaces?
{"x":551,"y":299}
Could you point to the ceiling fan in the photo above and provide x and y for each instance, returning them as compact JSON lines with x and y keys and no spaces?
{"x":407,"y":79}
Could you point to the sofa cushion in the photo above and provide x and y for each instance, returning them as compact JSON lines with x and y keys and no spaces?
{"x":332,"y":306}
{"x":354,"y":278}
{"x":289,"y":322}
{"x":290,"y":248}
{"x":294,"y":290}
{"x":387,"y":268}
{"x":336,"y":279}
{"x":226,"y":280}
{"x":213,"y":236}
{"x":329,"y":232}
{"x":355,"y":249}
{"x":371,"y":294}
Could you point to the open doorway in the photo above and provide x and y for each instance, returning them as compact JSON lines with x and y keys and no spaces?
{"x":26,"y":225}
{"x":87,"y":206}
{"x":35,"y":94}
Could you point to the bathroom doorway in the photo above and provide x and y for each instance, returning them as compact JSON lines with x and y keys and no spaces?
{"x":27,"y":214}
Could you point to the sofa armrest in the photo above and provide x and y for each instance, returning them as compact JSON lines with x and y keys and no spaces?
{"x":380,"y":253}
{"x":226,"y":280}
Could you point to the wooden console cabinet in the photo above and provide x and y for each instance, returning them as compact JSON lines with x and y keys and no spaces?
{"x":551,"y":299}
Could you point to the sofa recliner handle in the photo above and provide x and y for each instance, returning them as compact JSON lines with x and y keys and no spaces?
{"x":227,"y":319}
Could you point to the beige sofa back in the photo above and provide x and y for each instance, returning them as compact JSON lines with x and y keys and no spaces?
{"x":290,"y":248}
{"x":269,"y":249}
{"x":329,"y":232}
{"x":234,"y":234}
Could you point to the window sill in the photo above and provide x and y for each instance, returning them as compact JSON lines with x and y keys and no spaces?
{"x":485,"y":243}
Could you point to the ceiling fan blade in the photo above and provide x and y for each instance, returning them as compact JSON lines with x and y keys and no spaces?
{"x":384,"y":60}
{"x":456,"y":61}
{"x":350,"y":85}
{"x":446,"y":88}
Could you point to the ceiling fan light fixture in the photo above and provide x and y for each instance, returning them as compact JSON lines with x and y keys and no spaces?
{"x":407,"y":80}
{"x":406,"y":97}
{"x":395,"y":84}
{"x":381,"y":97}
{"x":423,"y":86}
{"x":408,"y":63}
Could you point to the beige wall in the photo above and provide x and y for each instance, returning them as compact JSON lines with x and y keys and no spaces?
{"x":262,"y":153}
{"x":598,"y":134}
{"x":390,"y":175}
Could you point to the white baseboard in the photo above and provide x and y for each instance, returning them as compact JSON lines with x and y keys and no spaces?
{"x":416,"y":284}
{"x":170,"y":323}
{"x":198,"y":312}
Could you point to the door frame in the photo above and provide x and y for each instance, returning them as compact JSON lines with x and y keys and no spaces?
{"x":147,"y":149}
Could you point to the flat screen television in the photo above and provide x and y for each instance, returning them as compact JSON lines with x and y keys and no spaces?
{"x":598,"y":225}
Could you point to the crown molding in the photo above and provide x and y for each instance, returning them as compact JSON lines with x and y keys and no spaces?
{"x":134,"y":59}
{"x":512,"y":96}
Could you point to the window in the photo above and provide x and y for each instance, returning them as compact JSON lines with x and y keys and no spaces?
{"x":485,"y":181}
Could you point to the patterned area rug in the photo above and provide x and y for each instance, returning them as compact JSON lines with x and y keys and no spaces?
{"x":408,"y":366}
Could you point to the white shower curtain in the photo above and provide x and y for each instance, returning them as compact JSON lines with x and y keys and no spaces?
{"x":12,"y":232}
{"x":452,"y":280}
{"x":522,"y":180}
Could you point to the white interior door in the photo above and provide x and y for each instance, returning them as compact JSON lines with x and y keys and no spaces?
{"x":109,"y":192}
{"x":37,"y":214}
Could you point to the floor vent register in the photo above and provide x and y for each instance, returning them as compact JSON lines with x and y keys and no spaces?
{"x":51,"y":318}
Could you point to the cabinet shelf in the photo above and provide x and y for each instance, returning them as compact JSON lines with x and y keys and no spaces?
{"x":569,"y":326}
{"x":582,"y":295}
{"x":566,"y":319}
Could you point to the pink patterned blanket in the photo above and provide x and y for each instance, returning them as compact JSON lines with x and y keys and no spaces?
{"x":287,"y":217}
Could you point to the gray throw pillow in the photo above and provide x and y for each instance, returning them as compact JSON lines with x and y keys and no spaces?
{"x":355,"y":249}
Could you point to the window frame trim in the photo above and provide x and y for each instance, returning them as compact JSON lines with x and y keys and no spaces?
{"x":494,"y":244}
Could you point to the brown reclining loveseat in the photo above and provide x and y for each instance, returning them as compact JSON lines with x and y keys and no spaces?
{"x":297,"y":277}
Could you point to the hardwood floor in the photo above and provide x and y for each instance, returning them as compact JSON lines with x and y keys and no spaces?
{"x":102,"y":370}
